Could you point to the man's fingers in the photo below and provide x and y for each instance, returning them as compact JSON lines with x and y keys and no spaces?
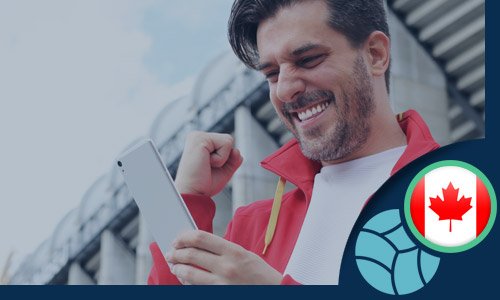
{"x":202,"y":240}
{"x":235,"y":159}
{"x":195,"y":257}
{"x":191,"y":275}
{"x":219,"y":146}
{"x":233,"y":163}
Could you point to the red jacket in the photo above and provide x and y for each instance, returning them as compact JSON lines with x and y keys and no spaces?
{"x":249,"y":224}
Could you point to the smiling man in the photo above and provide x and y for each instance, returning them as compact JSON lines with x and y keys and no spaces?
{"x":327,"y":65}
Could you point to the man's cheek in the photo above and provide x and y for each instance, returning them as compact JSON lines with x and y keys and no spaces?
{"x":288,"y":120}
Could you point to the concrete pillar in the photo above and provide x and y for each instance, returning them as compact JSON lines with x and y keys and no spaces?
{"x":117,"y":262}
{"x":224,"y":211}
{"x":251,"y":182}
{"x":417,"y":82}
{"x":143,"y":261}
{"x":78,"y":276}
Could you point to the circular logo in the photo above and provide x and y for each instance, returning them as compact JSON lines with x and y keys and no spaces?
{"x":450,"y":206}
{"x":387,"y":258}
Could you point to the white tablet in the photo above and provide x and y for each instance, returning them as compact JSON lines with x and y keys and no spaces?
{"x":152,"y":188}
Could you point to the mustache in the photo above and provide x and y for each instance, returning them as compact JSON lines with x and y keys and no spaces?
{"x":307,"y":99}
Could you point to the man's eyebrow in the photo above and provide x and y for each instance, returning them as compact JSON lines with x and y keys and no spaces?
{"x":303,"y":49}
{"x":260,"y":67}
{"x":297,"y":52}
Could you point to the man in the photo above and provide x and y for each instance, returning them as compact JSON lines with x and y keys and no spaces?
{"x":327,"y":66}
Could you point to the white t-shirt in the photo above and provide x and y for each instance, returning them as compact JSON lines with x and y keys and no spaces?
{"x":339,"y":194}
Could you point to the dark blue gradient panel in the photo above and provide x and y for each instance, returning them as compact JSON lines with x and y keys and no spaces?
{"x":458,"y":274}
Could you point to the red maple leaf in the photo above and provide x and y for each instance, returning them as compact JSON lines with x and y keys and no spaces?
{"x":450,"y":208}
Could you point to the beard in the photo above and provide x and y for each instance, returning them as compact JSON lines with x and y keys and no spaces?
{"x":351,"y":127}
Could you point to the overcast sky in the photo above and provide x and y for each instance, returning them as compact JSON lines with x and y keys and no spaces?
{"x":79,"y":80}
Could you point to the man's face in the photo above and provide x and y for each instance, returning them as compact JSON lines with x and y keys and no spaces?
{"x":319,"y":85}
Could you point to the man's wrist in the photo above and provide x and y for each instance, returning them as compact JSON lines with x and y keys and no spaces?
{"x":185,"y":189}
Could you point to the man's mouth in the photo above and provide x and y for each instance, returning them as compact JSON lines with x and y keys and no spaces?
{"x":311,"y":111}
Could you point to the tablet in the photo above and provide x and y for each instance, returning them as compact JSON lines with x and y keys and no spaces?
{"x":152,"y":188}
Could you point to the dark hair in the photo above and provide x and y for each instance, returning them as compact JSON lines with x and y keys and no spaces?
{"x":355,"y":19}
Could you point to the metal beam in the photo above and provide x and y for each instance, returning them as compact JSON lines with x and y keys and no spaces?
{"x":468,"y":111}
{"x":473,"y":32}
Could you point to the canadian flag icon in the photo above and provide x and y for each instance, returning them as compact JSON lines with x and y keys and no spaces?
{"x":451,"y":206}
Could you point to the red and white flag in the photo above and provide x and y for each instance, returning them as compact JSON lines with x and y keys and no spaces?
{"x":450,"y":206}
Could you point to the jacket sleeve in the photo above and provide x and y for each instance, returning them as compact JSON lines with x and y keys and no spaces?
{"x":202,"y":208}
{"x":288,"y":280}
{"x":230,"y":235}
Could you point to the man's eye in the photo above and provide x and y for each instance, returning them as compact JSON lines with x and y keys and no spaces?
{"x":310,"y":61}
{"x":272,"y":76}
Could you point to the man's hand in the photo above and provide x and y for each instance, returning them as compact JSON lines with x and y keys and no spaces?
{"x":208,"y":162}
{"x":199,"y":257}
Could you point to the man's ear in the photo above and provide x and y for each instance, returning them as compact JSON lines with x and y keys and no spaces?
{"x":378,"y":47}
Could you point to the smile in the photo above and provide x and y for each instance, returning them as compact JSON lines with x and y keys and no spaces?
{"x":312,"y":112}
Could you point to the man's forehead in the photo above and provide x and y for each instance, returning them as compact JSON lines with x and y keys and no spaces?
{"x":293,"y":29}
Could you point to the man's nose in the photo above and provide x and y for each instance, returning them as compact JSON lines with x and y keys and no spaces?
{"x":289,"y":86}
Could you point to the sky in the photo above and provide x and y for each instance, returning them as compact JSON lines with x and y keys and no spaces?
{"x":79,"y":81}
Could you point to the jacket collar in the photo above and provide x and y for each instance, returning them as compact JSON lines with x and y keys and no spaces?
{"x":289,"y":162}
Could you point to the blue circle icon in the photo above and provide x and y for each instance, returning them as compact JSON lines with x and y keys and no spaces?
{"x":388,"y":260}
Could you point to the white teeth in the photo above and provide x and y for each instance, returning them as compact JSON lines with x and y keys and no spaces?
{"x":309,"y":113}
{"x":312,"y":111}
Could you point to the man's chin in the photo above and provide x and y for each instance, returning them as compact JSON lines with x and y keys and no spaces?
{"x":312,"y":138}
{"x":310,"y":143}
{"x":310,"y":150}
